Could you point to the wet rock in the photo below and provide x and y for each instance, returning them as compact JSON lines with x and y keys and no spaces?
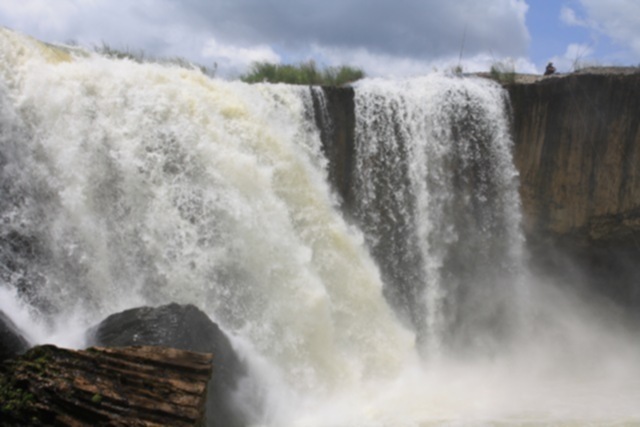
{"x":337,"y":124}
{"x":578,"y":150}
{"x":12,"y":343}
{"x":187,"y":328}
{"x":142,"y":386}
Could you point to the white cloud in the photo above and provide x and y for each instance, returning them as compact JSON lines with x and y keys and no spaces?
{"x":39,"y":16}
{"x":234,"y":59}
{"x":386,"y":65}
{"x":569,"y":17}
{"x":88,"y":21}
{"x":617,"y":19}
{"x":426,"y":28}
{"x":578,"y":52}
{"x":411,"y":35}
{"x":576,"y":56}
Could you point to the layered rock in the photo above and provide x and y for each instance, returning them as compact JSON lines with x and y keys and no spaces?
{"x":578,"y":153}
{"x":188,"y":328}
{"x":142,"y":386}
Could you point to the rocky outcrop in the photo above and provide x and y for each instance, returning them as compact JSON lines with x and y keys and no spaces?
{"x":134,"y":386}
{"x":188,"y":328}
{"x":578,"y":152}
{"x":337,"y":125}
{"x":12,"y":343}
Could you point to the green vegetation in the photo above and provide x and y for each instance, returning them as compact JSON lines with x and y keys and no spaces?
{"x":126,"y":53}
{"x":305,"y":73}
{"x":140,"y":57}
{"x":457,"y":70}
{"x":97,"y":398}
{"x":14,"y":401}
{"x":503,"y":73}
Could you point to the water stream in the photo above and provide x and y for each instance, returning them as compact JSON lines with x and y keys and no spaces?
{"x":127,"y":184}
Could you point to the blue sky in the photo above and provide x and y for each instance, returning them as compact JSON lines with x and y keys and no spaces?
{"x":587,"y":41}
{"x":549,"y":35}
{"x":385,"y":37}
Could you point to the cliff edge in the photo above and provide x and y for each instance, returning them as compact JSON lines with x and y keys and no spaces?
{"x":578,"y":151}
{"x":577,"y":148}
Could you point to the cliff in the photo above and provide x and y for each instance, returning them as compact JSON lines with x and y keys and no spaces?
{"x":577,"y":150}
{"x":337,"y":125}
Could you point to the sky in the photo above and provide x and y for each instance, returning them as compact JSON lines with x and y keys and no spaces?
{"x":391,"y":38}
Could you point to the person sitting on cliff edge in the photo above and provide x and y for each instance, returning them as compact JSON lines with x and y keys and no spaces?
{"x":550,"y":69}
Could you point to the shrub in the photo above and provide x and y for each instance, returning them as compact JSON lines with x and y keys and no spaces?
{"x":141,"y":57}
{"x":503,"y":73}
{"x":125,"y":53}
{"x":305,"y":73}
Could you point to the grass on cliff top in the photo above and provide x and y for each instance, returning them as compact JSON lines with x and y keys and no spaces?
{"x":503,"y":73}
{"x":141,"y":57}
{"x":305,"y":73}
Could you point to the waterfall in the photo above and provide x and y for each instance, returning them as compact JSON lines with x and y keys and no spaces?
{"x":127,"y":184}
{"x":436,"y":195}
{"x":131,"y":184}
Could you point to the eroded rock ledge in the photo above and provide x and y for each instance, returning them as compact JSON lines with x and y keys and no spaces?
{"x":132,"y":386}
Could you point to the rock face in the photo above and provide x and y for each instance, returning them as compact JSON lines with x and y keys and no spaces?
{"x":184,"y":327}
{"x":578,"y":152}
{"x":141,"y":386}
{"x":337,"y":125}
{"x":577,"y":149}
{"x":12,"y":343}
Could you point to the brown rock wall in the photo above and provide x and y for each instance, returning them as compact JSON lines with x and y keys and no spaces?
{"x":578,"y":153}
{"x":577,"y":147}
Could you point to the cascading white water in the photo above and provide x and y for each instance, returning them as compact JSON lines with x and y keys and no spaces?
{"x":126,"y":184}
{"x":437,"y":197}
{"x":144,"y":184}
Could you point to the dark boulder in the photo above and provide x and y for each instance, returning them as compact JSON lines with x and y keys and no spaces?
{"x":187,"y":328}
{"x":129,"y":386}
{"x":12,"y":343}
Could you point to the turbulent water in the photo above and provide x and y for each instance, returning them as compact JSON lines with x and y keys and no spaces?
{"x":437,"y":197}
{"x":126,"y":184}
